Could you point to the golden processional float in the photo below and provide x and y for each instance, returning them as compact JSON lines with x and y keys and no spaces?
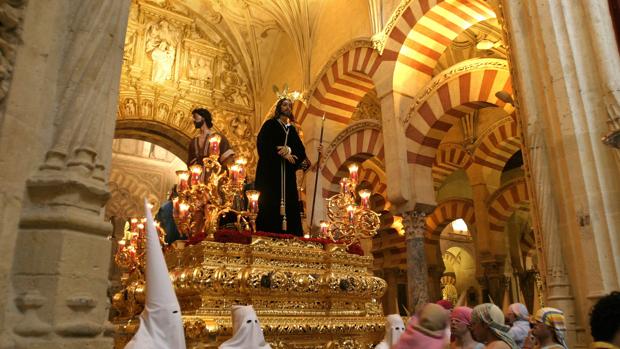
{"x":308,"y":292}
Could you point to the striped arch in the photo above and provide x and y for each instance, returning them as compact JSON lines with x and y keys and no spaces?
{"x":497,"y":146}
{"x":343,"y":85}
{"x":376,"y":179}
{"x":504,"y":202}
{"x":458,"y":96}
{"x":450,"y":157}
{"x":423,"y":32}
{"x":355,"y":144}
{"x":447,"y":212}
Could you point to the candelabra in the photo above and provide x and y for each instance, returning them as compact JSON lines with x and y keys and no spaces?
{"x":207,"y":193}
{"x":131,"y":248}
{"x":348,"y":220}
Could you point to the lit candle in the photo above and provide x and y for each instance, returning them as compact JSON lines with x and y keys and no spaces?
{"x":353,"y":172}
{"x":241,"y":162}
{"x":351,"y":213}
{"x":234,"y":173}
{"x":141,"y":228}
{"x":183,"y":208}
{"x":344,"y":185}
{"x":253,"y":196}
{"x":324,"y":226}
{"x":364,"y":195}
{"x":196,"y":171}
{"x":214,"y":145}
{"x":183,"y":177}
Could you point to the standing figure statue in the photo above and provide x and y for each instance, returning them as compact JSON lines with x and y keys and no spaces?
{"x":280,"y":154}
{"x":161,"y":44}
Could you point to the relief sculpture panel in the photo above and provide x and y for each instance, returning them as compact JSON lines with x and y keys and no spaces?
{"x":175,"y":61}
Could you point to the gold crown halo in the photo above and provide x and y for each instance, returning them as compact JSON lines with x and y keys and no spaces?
{"x":286,"y":94}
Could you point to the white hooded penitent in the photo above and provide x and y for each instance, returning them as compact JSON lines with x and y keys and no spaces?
{"x":161,"y":326}
{"x":394,"y":327}
{"x":247,"y":333}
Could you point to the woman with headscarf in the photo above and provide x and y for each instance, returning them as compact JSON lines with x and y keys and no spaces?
{"x":427,"y":330}
{"x":487,"y":326}
{"x":460,"y":319}
{"x":549,"y":328}
{"x":518,"y":317}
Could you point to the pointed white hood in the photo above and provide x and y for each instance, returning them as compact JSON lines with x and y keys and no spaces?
{"x":161,"y":326}
{"x":394,"y":327}
{"x":247,"y":333}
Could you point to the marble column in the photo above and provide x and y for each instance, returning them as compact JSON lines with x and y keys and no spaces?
{"x":67,"y":80}
{"x":417,"y":270}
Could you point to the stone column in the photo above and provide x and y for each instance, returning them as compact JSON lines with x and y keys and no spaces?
{"x":390,"y":304}
{"x":68,"y":73}
{"x":436,"y":268}
{"x":567,"y":84}
{"x":494,"y":279}
{"x":480,"y":194}
{"x":417,"y":271}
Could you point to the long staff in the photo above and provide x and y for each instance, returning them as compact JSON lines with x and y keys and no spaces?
{"x":316,"y":177}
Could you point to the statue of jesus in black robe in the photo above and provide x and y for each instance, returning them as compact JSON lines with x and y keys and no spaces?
{"x":280,"y":154}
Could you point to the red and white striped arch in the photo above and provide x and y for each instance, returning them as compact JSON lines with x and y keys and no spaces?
{"x":376,"y":178}
{"x":504,"y":202}
{"x":497,"y":146}
{"x":448,"y":211}
{"x":343,"y":85}
{"x":422,"y":34}
{"x":458,"y":96}
{"x":356,"y":146}
{"x":450,"y":157}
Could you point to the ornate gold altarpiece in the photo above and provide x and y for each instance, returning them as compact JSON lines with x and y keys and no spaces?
{"x":306,"y":295}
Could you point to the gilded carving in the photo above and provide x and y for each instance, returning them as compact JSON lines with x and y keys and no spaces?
{"x":146,"y":108}
{"x":161,"y":44}
{"x":162,"y":111}
{"x":174,"y":62}
{"x":129,"y":107}
{"x":298,"y":288}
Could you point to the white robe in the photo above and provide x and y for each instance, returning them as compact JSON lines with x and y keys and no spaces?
{"x":161,"y":325}
{"x":394,"y":327}
{"x":247,"y":333}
